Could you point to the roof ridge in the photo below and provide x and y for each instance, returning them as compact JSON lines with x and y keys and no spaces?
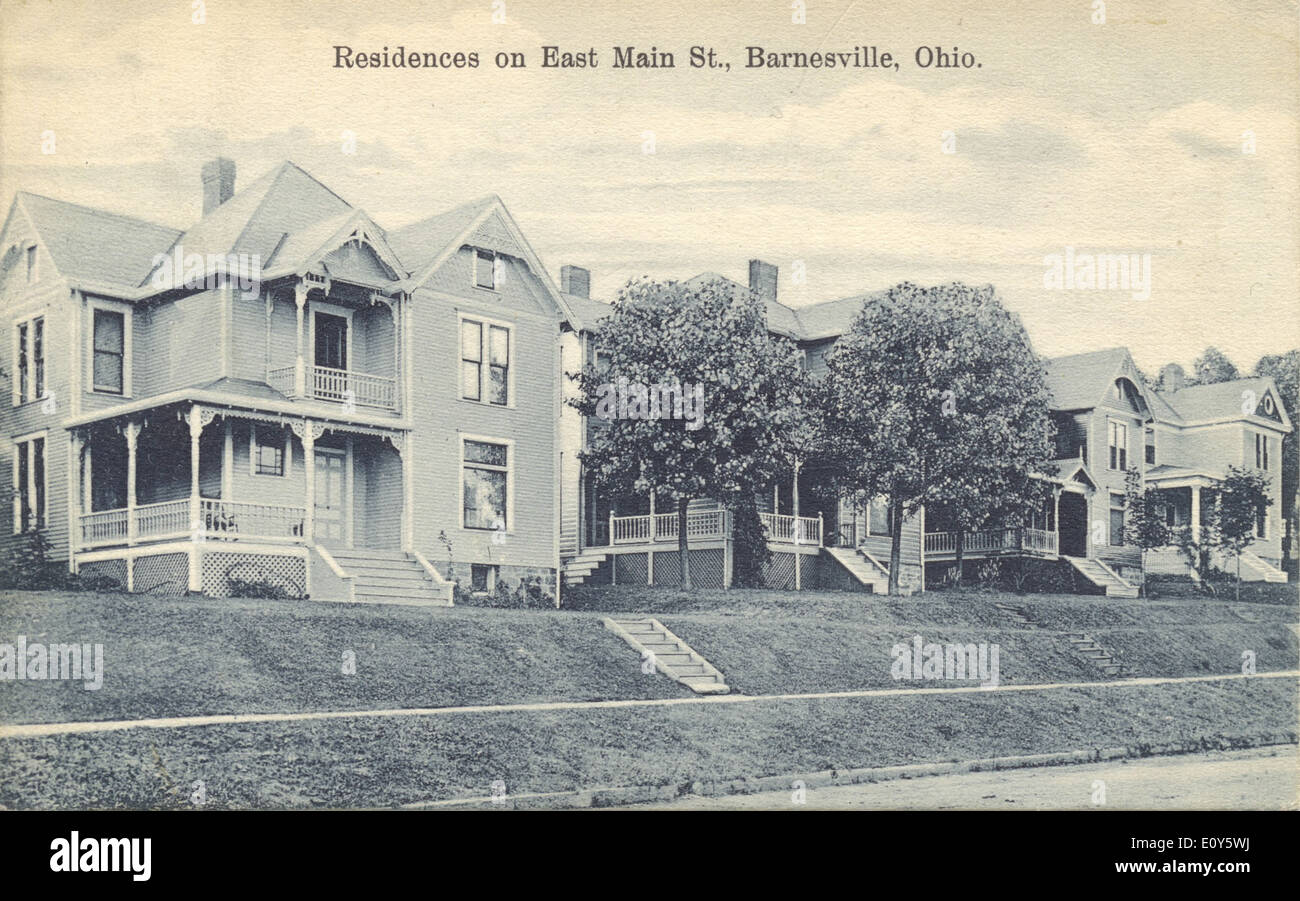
{"x":99,"y":212}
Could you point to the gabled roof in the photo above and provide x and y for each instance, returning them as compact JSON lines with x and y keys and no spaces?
{"x":1070,"y":469}
{"x":319,"y":247}
{"x":833,"y":318}
{"x":1223,"y":400}
{"x":1080,"y":381}
{"x":92,"y":245}
{"x":589,"y":311}
{"x":255,"y":221}
{"x":419,"y":243}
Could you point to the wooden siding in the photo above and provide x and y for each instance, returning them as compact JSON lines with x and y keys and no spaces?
{"x":165,"y":352}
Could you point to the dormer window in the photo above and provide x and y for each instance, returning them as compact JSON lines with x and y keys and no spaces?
{"x":485,"y":269}
{"x":31,"y":263}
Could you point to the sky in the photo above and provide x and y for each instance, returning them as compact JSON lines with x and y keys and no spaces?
{"x":1170,"y":129}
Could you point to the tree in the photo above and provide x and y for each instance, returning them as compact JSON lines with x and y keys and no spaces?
{"x":696,"y":397}
{"x":749,"y":551}
{"x":933,"y":394}
{"x":1284,"y":370}
{"x":1212,"y":367}
{"x":1243,"y":498}
{"x":1144,"y":522}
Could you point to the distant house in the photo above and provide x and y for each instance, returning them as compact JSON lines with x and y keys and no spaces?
{"x":1106,"y":422}
{"x":372,"y":414}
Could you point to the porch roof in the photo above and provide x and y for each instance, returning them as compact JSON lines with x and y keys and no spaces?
{"x":1071,"y":469}
{"x":251,"y":396}
{"x":1165,"y":474}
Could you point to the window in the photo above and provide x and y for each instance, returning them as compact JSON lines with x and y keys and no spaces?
{"x":485,"y":269}
{"x":1116,"y":519}
{"x":480,"y":344}
{"x":1151,"y":446}
{"x":331,"y":341}
{"x":1261,"y":521}
{"x":268,"y":456}
{"x":1261,"y":452}
{"x":483,"y":577}
{"x":31,"y":264}
{"x":29,"y":355}
{"x":110,"y":351}
{"x":1118,"y":445}
{"x":484,"y":485}
{"x":878,"y":517}
{"x":29,"y":484}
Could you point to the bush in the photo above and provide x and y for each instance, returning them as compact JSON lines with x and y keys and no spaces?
{"x":530,"y":594}
{"x":30,"y":566}
{"x":750,"y":553}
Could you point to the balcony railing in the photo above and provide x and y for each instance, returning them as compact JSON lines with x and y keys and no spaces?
{"x":700,"y":524}
{"x":341,"y":386}
{"x":792,"y":529}
{"x":992,"y":541}
{"x":220,"y":520}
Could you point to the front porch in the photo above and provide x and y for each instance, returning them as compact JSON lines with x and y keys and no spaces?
{"x":256,"y":489}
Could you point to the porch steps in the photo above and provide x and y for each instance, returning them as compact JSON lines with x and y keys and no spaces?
{"x":672,"y":656}
{"x":1094,"y":653}
{"x":387,"y":577}
{"x":577,"y":569}
{"x":868,"y":572}
{"x":1103,"y":577}
{"x":1017,"y":615}
{"x":1256,"y":569}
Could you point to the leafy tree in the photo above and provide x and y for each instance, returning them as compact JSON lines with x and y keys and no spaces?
{"x":706,"y":338}
{"x":750,"y":552}
{"x":1212,"y":367}
{"x":1284,"y":369}
{"x":935,"y":393}
{"x":1243,"y":496}
{"x":1144,"y":522}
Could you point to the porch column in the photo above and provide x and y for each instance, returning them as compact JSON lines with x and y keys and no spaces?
{"x":74,"y":496}
{"x":87,"y":487}
{"x":309,"y":468}
{"x":196,"y":518}
{"x":132,"y":434}
{"x":1196,"y":513}
{"x":1056,"y":517}
{"x":300,"y":367}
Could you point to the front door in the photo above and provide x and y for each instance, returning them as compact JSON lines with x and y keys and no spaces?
{"x":331,"y":505}
{"x":1072,"y":525}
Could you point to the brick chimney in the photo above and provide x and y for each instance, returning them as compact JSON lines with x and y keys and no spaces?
{"x":218,"y":183}
{"x":762,"y":279}
{"x":575,"y":280}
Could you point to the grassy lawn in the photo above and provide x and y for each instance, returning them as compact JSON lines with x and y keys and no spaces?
{"x":190,"y":656}
{"x":406,"y":760}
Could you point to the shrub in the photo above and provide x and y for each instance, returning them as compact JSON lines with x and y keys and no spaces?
{"x":530,"y":594}
{"x":750,"y":553}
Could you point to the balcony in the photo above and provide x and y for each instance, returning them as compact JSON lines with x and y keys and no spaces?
{"x":991,"y":543}
{"x":340,"y":386}
{"x":169,"y":520}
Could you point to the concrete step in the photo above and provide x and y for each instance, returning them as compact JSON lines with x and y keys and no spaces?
{"x":673,"y":657}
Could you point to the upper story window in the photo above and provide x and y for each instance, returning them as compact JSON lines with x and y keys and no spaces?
{"x":30,"y":359}
{"x":485,"y":269}
{"x":29,"y":484}
{"x":1150,"y":446}
{"x":1261,"y":451}
{"x":484,"y":485}
{"x":1116,"y":519}
{"x":1118,"y":442}
{"x":30,"y":255}
{"x":484,"y":362}
{"x":110,"y":352}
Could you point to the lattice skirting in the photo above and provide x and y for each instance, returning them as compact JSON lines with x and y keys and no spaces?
{"x":104,"y":569}
{"x":779,"y":572}
{"x":160,"y":574}
{"x":630,"y":569}
{"x":218,"y":570}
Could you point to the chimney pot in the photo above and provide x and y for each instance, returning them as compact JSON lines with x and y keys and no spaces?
{"x":762,"y":279}
{"x":575,"y":280}
{"x":218,"y":183}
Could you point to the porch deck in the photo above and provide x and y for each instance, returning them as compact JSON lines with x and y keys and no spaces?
{"x":170,"y":520}
{"x":1016,"y":540}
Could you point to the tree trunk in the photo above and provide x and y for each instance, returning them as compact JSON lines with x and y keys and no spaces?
{"x":960,"y":544}
{"x":1238,"y":576}
{"x":896,"y":548}
{"x":682,"y":548}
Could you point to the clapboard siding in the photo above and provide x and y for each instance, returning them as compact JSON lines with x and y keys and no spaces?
{"x":166,"y":351}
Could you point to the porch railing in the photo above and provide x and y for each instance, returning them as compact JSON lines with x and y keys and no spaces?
{"x":171,"y":519}
{"x":236,"y":519}
{"x":337,"y":386}
{"x":792,"y":529}
{"x":991,"y":541}
{"x":700,"y":524}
